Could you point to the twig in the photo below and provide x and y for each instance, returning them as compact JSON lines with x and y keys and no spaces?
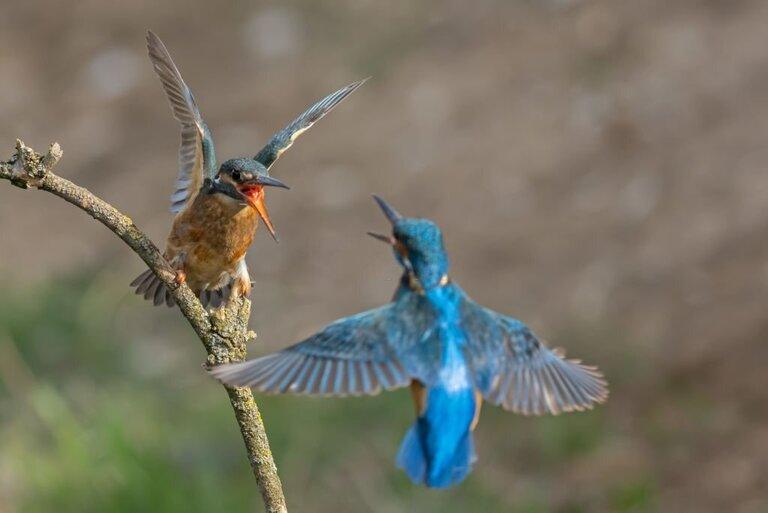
{"x":223,"y":332}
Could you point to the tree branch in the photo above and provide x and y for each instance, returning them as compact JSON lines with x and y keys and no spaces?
{"x":223,"y":332}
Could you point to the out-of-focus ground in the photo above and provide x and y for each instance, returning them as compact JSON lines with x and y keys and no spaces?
{"x":598,"y":167}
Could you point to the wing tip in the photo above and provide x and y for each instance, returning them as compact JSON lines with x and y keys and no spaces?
{"x":556,"y":386}
{"x":357,"y":84}
{"x":154,"y":43}
{"x":301,"y":375}
{"x":230,"y":373}
{"x":343,"y":93}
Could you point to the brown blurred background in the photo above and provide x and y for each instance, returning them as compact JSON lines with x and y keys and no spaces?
{"x":598,"y":169}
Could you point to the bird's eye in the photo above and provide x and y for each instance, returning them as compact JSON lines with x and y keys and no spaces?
{"x":236,"y":176}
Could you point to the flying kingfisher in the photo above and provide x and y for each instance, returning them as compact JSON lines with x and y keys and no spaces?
{"x":452,"y":352}
{"x":217,"y":212}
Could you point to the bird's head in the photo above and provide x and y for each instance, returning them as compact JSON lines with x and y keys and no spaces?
{"x":418,"y":247}
{"x":244,"y":180}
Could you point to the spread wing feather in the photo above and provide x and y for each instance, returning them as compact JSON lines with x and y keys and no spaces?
{"x":197,"y":159}
{"x":283,"y":139}
{"x":516,"y":370}
{"x":358,"y":355}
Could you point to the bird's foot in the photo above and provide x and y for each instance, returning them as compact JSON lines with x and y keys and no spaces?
{"x":241,"y":288}
{"x":181,"y":277}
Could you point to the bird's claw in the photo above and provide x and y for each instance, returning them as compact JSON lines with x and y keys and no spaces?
{"x":181,"y":277}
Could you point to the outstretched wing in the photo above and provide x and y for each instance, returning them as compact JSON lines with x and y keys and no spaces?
{"x":361,"y":354}
{"x":283,"y":139}
{"x":516,"y":370}
{"x":197,"y":159}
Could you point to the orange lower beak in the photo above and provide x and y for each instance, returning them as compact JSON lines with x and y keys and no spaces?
{"x":257,"y":202}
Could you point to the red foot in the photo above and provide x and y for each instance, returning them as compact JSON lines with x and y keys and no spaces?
{"x":181,"y":277}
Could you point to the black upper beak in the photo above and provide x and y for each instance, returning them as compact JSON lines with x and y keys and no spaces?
{"x":390,"y":212}
{"x":268,"y":181}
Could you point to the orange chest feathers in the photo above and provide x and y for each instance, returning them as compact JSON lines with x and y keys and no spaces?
{"x":214,"y":229}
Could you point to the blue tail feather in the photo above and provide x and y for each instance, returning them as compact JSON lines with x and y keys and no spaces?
{"x":411,"y":457}
{"x":459,"y":467}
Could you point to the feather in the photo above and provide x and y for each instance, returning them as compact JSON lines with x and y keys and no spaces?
{"x":197,"y":159}
{"x":361,"y":354}
{"x":525,"y":375}
{"x":283,"y":139}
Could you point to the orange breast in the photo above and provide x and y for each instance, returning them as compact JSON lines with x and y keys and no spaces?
{"x":214,"y":233}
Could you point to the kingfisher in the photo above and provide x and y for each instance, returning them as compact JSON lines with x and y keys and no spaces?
{"x":217,"y":211}
{"x":452,"y":352}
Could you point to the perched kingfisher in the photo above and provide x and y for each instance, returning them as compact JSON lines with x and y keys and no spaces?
{"x":452,"y":352}
{"x":217,"y":212}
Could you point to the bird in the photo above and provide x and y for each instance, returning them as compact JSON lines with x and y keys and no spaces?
{"x":453,"y":353}
{"x":217,"y":211}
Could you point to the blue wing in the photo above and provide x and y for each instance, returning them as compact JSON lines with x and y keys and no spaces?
{"x":197,"y":159}
{"x":362,"y":354}
{"x":283,"y":139}
{"x":514,"y":369}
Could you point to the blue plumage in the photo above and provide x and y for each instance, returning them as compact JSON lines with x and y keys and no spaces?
{"x":447,"y":404}
{"x":453,"y":352}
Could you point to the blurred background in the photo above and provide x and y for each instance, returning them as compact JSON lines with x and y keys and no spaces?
{"x":598,"y":168}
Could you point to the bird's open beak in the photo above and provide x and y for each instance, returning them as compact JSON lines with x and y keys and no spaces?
{"x":254,"y":195}
{"x":397,"y":245}
{"x":387,"y":239}
{"x":253,"y":191}
{"x":392,"y":214}
{"x":268,"y":181}
{"x":261,"y":208}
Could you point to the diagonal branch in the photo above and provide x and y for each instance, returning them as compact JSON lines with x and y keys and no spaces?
{"x":223,"y":332}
